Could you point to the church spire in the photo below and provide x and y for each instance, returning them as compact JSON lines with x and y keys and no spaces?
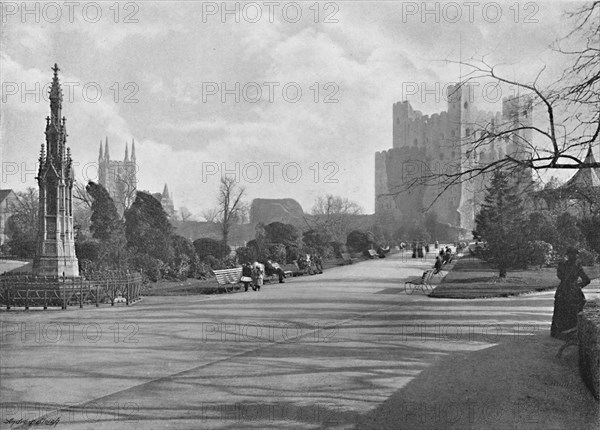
{"x":56,"y":97}
{"x":126,"y":153}
{"x":100,"y":153}
{"x":166,"y":192}
{"x":132,"y":150}
{"x":106,"y":153}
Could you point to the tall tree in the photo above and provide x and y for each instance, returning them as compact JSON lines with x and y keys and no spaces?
{"x":105,"y":220}
{"x":107,"y":227}
{"x":286,"y":234}
{"x":231,"y":208}
{"x":335,"y":215}
{"x":501,"y":223}
{"x":147,"y":228}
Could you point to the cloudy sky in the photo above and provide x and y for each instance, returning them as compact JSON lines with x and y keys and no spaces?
{"x":295,"y":98}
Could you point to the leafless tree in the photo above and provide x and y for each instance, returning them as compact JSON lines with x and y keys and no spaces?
{"x":335,"y":215}
{"x":211,"y":214}
{"x":26,"y":207}
{"x":231,"y":209}
{"x":184,"y":214}
{"x":81,"y":195}
{"x":82,"y":207}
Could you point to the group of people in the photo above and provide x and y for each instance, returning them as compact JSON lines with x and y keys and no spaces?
{"x":253,"y":275}
{"x":313,"y":264}
{"x":442,"y":258}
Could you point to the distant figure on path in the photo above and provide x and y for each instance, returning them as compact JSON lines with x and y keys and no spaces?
{"x":569,"y":299}
{"x":318,"y":264}
{"x":438,"y":264}
{"x":246,"y":276}
{"x":258,"y":275}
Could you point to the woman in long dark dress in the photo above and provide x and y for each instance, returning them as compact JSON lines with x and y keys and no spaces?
{"x":569,"y":299}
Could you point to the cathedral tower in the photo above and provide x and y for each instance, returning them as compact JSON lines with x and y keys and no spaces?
{"x":118,"y":177}
{"x":55,"y":254}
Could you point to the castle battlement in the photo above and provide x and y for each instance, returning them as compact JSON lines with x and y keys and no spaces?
{"x":444,"y":142}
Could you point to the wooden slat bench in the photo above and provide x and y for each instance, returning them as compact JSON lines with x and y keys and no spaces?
{"x":286,"y":272}
{"x":289,"y":270}
{"x":347,"y":258}
{"x":423,"y":283}
{"x":227,"y":277}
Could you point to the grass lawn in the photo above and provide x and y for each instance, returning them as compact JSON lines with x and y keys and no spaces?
{"x":472,"y":278}
{"x":189,"y":287}
{"x":194,"y":287}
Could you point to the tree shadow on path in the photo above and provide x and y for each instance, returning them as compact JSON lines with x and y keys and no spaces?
{"x":516,"y":384}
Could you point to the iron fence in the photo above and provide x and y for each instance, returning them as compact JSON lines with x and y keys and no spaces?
{"x":26,"y":290}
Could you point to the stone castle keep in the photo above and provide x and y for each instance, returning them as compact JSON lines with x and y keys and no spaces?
{"x":442,"y":143}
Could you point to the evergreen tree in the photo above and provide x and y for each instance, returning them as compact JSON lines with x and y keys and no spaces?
{"x":105,"y":220}
{"x":148,"y":229}
{"x":286,"y":234}
{"x":501,"y":223}
{"x":107,"y":228}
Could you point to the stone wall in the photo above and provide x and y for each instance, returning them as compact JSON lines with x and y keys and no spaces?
{"x":588,"y":331}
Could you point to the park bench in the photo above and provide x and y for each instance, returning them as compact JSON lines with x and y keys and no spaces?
{"x":226,"y":277}
{"x":298,"y":271}
{"x":372,"y":253}
{"x":423,"y":283}
{"x":347,"y":258}
{"x":274,"y":277}
{"x":289,"y":269}
{"x":287,"y":273}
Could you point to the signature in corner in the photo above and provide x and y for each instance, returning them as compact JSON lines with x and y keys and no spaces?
{"x":42,"y":421}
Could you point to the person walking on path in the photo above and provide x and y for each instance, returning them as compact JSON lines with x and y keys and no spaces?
{"x":569,"y":299}
{"x":258,"y":275}
{"x":246,"y":276}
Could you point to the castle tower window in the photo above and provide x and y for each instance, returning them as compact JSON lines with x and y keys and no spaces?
{"x":415,"y":142}
{"x":468,"y":132}
{"x":466,"y":105}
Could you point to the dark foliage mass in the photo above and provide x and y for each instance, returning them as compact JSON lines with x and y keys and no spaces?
{"x":206,"y":246}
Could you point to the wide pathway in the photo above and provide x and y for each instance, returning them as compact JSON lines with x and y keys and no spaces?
{"x":345,"y":349}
